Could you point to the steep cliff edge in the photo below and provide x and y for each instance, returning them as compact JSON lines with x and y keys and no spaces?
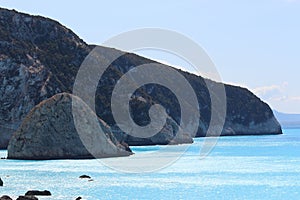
{"x":40,"y":58}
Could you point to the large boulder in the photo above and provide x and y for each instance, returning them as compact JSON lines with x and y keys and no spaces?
{"x":49,"y":132}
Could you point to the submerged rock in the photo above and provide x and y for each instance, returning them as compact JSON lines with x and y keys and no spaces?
{"x":84,"y":176}
{"x":48,"y":132}
{"x":5,"y":197}
{"x":38,"y":193}
{"x":27,"y":198}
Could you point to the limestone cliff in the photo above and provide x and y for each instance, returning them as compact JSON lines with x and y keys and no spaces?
{"x":40,"y":57}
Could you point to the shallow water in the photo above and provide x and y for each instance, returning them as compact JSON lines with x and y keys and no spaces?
{"x":247,"y":167}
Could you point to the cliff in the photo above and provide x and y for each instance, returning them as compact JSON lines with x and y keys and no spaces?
{"x":40,"y":57}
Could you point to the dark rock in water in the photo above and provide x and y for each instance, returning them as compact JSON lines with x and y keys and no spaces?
{"x":78,"y":198}
{"x":38,"y":193}
{"x":5,"y":197}
{"x":40,"y":58}
{"x":27,"y":198}
{"x":84,"y":176}
{"x":1,"y":182}
{"x":48,"y":132}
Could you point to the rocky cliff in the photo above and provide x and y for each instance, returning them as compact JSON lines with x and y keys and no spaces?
{"x":48,"y":132}
{"x":40,"y":57}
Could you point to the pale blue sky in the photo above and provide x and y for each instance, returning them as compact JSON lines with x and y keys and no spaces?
{"x":255,"y":44}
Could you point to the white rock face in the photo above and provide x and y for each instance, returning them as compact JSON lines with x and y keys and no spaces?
{"x":253,"y":128}
{"x":48,"y":132}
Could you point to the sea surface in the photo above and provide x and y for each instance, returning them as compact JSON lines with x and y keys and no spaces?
{"x":246,"y":167}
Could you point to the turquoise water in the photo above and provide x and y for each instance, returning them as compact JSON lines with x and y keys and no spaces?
{"x":248,"y":167}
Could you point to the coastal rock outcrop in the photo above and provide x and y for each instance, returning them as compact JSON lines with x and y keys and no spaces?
{"x":49,"y":132}
{"x":1,"y":182}
{"x":171,"y":134}
{"x":245,"y":113}
{"x":39,"y":58}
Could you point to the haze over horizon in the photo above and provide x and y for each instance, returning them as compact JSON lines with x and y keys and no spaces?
{"x":253,"y":44}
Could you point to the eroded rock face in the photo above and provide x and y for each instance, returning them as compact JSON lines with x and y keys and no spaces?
{"x":48,"y":132}
{"x":171,"y":134}
{"x":40,"y":57}
{"x":21,"y":88}
{"x":252,"y":128}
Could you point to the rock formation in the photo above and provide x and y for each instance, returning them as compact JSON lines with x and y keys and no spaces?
{"x":40,"y":58}
{"x":38,"y":193}
{"x":85,"y":176}
{"x":49,"y":132}
{"x":5,"y":197}
{"x":171,"y":134}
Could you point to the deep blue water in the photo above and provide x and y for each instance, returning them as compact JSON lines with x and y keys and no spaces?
{"x":247,"y":167}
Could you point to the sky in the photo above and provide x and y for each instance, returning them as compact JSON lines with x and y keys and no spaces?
{"x":254,"y":44}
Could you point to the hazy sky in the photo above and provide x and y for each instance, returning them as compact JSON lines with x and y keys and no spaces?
{"x":255,"y":43}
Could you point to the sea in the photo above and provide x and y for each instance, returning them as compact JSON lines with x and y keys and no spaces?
{"x":240,"y":167}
